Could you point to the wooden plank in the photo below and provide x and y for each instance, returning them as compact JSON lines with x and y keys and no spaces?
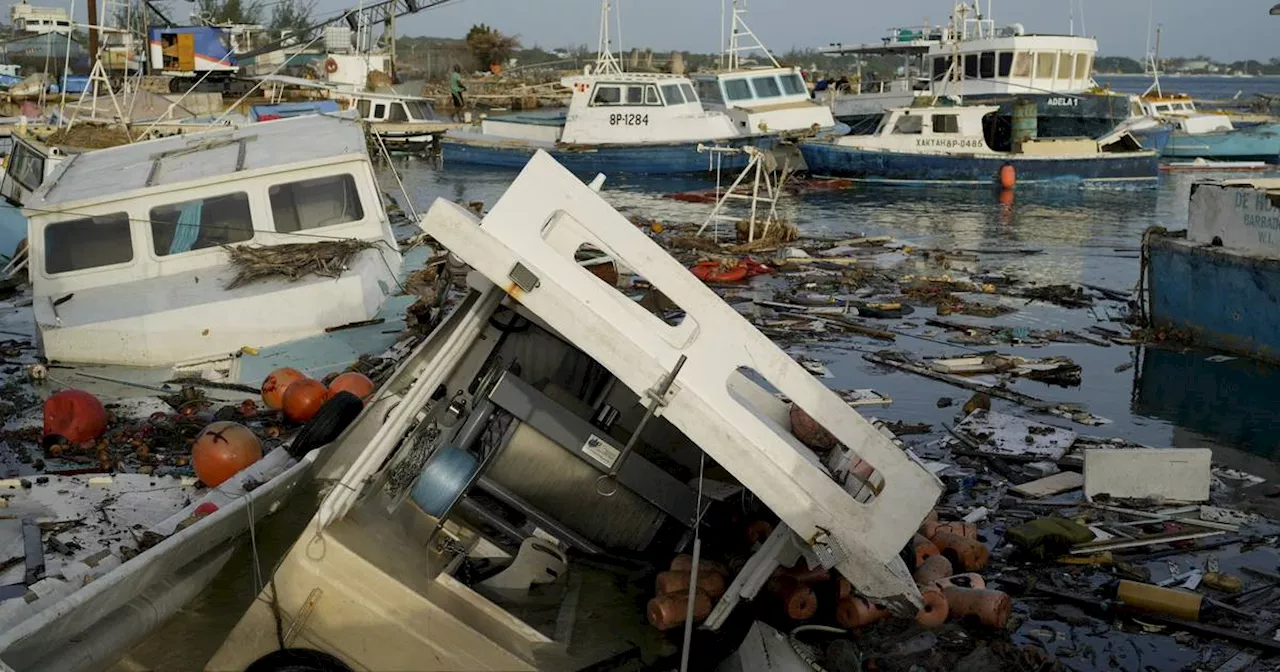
{"x":1051,"y":485}
{"x":1145,"y":541}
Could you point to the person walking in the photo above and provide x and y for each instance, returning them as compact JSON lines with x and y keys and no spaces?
{"x":455,"y":91}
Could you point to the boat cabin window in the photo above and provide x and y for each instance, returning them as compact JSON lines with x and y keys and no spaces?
{"x":420,"y":110}
{"x":1005,"y":63}
{"x":946,"y":123}
{"x":363,"y":107}
{"x":793,"y":84}
{"x":708,"y":90}
{"x":635,"y":95}
{"x":1064,"y":66}
{"x":766,"y":87}
{"x":689,"y":95}
{"x":89,"y":242}
{"x":26,"y":165}
{"x":1022,"y":61}
{"x":651,"y":95}
{"x":987,"y":65}
{"x":1082,"y":67}
{"x":398,"y":113}
{"x":311,"y":204}
{"x":379,"y":111}
{"x":1045,"y":62}
{"x":941,"y":67}
{"x":909,"y":125}
{"x":607,"y":95}
{"x":202,"y":223}
{"x":971,"y":66}
{"x":737,"y":89}
{"x":672,"y":93}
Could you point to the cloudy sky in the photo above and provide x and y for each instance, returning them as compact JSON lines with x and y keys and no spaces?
{"x":1223,"y":29}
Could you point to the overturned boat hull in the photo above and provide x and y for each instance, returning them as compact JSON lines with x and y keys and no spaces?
{"x":657,"y":158}
{"x":828,"y":159}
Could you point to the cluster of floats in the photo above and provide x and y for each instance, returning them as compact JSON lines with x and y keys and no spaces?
{"x":550,"y":430}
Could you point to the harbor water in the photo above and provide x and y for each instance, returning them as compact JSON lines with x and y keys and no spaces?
{"x":1166,"y":397}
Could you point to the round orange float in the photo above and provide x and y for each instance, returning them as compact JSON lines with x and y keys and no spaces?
{"x":303,"y":398}
{"x":1008,"y":176}
{"x":274,"y":386}
{"x":73,"y":416}
{"x":222,"y":450}
{"x":352,"y":381}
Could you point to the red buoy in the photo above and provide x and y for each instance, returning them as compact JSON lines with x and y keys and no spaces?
{"x":73,"y":416}
{"x":276,"y":383}
{"x":1008,"y":176}
{"x":352,"y":381}
{"x":222,"y":450}
{"x":303,"y":399}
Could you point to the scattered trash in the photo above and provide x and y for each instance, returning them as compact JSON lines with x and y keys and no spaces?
{"x":1005,"y":435}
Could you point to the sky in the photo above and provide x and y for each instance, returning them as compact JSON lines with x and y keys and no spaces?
{"x":1226,"y":30}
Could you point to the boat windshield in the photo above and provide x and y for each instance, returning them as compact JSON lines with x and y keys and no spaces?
{"x":420,"y":110}
{"x":671,"y":92}
{"x":26,"y":165}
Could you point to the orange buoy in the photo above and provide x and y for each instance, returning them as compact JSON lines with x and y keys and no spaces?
{"x":222,"y":450}
{"x":992,"y":608}
{"x":667,"y":611}
{"x":965,"y":554}
{"x":303,"y":398}
{"x":352,"y":381}
{"x":929,"y":525}
{"x":958,"y":528}
{"x":798,"y":601}
{"x":932,"y":569}
{"x":857,"y":612}
{"x":276,"y":383}
{"x":1008,"y":176}
{"x":967,"y":580}
{"x":923,"y":549}
{"x":935,"y":609}
{"x":809,"y":431}
{"x":684,"y":563}
{"x":709,"y":582}
{"x":73,"y":416}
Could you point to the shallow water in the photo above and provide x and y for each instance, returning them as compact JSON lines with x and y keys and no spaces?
{"x":1167,"y":398}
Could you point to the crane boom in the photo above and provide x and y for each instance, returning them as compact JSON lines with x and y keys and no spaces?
{"x":377,"y":12}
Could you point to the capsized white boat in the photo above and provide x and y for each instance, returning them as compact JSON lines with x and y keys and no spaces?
{"x":136,"y":235}
{"x":135,"y":270}
{"x":557,"y":430}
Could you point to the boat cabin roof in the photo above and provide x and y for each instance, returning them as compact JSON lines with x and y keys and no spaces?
{"x":112,"y":172}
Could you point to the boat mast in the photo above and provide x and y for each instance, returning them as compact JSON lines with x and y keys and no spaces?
{"x":605,"y":61}
{"x":1154,"y":62}
{"x":739,"y":30}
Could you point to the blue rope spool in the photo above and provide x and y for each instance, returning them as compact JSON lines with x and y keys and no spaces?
{"x":443,"y":477}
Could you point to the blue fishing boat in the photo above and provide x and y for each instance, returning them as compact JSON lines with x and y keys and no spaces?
{"x":1216,"y":283}
{"x":616,"y":122}
{"x":957,"y":145}
{"x":1196,"y":135}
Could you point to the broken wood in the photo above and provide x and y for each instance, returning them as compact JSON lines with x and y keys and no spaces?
{"x":1084,"y":549}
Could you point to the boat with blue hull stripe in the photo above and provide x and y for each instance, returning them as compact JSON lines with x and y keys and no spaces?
{"x":651,"y":159}
{"x":831,"y":160}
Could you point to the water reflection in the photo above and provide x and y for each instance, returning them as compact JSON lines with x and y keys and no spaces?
{"x":1226,"y":402}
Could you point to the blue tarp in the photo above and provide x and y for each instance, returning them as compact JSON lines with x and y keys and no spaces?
{"x":288,"y":110}
{"x":75,"y":84}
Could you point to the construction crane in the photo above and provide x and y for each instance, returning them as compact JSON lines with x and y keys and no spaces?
{"x":378,"y":12}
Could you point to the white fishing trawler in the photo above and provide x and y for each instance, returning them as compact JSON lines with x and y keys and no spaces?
{"x":974,"y":60}
{"x":557,"y":429}
{"x":764,"y":99}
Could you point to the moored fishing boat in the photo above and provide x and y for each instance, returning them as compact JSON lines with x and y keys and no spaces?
{"x":619,"y":122}
{"x":1216,"y":283}
{"x":957,"y":145}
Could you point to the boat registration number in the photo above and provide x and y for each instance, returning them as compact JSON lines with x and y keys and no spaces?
{"x":628,"y":120}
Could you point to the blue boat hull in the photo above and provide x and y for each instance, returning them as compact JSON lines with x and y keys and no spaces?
{"x":832,"y":160}
{"x":1156,"y":138}
{"x":648,"y":159}
{"x":1221,"y":298}
{"x":1253,"y":143}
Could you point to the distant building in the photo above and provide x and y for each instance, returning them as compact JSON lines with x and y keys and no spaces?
{"x":1197,"y":66}
{"x":39,"y":20}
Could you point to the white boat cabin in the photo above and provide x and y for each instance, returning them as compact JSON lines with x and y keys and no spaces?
{"x":128,"y":264}
{"x":390,"y":108}
{"x":622,"y":109}
{"x":962,"y":130}
{"x":1181,"y":110}
{"x":765,"y":100}
{"x":970,"y":57}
